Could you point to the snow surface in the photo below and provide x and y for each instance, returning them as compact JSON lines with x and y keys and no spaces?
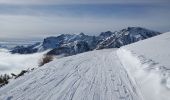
{"x":148,"y":62}
{"x":156,"y":48}
{"x":140,"y":71}
{"x":14,"y":63}
{"x":95,"y":75}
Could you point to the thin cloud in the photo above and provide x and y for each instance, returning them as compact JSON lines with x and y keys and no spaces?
{"x":83,"y":1}
{"x":22,"y":26}
{"x":42,"y":18}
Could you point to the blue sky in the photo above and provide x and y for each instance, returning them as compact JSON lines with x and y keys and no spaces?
{"x":27,"y":19}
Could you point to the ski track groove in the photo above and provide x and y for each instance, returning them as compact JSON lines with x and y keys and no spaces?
{"x":97,"y":75}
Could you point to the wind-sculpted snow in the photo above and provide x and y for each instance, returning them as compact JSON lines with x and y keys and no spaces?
{"x":96,"y":75}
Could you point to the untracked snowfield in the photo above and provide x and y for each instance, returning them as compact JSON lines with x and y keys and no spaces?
{"x":96,"y":75}
{"x":148,"y":61}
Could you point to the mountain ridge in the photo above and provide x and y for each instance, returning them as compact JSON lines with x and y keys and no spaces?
{"x":70,"y":44}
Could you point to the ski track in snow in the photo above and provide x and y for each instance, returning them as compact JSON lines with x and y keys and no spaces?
{"x":96,"y":75}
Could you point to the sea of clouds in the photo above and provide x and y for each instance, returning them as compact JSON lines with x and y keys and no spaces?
{"x":14,"y":63}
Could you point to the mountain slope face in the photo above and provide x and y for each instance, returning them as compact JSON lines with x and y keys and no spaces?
{"x":95,"y":75}
{"x":66,"y":42}
{"x":70,"y":49}
{"x":70,"y":44}
{"x":64,"y":39}
{"x":148,"y":62}
{"x":26,"y":50}
{"x":126,"y":36}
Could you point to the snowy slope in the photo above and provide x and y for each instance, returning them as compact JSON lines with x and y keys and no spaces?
{"x":96,"y":75}
{"x":138,"y":71}
{"x":156,"y":48}
{"x":148,"y":62}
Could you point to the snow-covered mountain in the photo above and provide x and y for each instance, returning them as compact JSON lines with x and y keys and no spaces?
{"x":71,"y":48}
{"x":138,"y":71}
{"x":70,"y":44}
{"x":64,"y":39}
{"x":126,"y":36}
{"x":26,"y":49}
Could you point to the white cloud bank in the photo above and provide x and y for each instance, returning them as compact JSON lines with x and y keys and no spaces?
{"x":14,"y":63}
